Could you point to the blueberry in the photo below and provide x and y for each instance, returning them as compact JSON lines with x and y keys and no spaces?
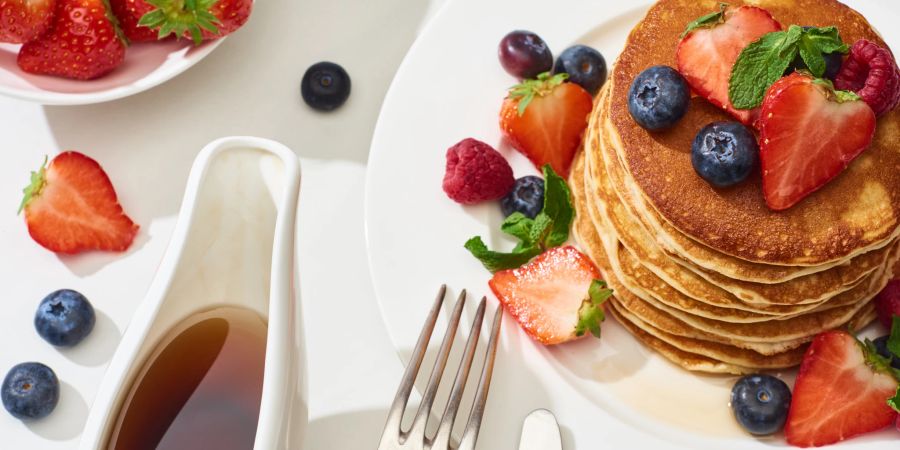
{"x":881,"y":347}
{"x":724,"y":153}
{"x":526,"y":197}
{"x":658,"y":98}
{"x":325,"y":86}
{"x":30,"y":391}
{"x":760,"y":403}
{"x":64,"y":318}
{"x":524,"y":54}
{"x":585,"y":66}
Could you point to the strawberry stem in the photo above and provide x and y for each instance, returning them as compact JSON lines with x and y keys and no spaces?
{"x":181,"y":17}
{"x":528,"y":89}
{"x":38,"y":180}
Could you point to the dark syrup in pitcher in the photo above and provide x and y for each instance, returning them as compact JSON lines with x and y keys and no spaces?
{"x":200,"y":388}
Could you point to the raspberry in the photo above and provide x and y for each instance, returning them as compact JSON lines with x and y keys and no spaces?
{"x":476,"y":172}
{"x":872,"y":73}
{"x":887,"y":303}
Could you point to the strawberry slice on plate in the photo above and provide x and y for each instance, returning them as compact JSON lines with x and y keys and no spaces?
{"x":545,"y":119}
{"x":556,"y":297}
{"x":841,"y":391}
{"x":71,"y":206}
{"x":711,"y":46}
{"x":809,"y":133}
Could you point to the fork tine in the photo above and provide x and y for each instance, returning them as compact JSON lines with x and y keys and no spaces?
{"x":412,"y":369}
{"x":442,"y":438}
{"x":440,"y":363}
{"x":470,"y":435}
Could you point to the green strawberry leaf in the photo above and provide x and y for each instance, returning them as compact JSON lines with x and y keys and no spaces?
{"x":525,"y":91}
{"x":894,"y":402}
{"x":590,"y":314}
{"x":38,"y":181}
{"x":708,"y":21}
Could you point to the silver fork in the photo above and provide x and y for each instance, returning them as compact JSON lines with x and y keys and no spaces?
{"x":394,"y":438}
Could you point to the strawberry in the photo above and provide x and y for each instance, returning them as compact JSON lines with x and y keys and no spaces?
{"x":24,"y":20}
{"x":71,"y":206}
{"x":809,"y":133}
{"x":545,"y":119}
{"x":556,"y":297}
{"x":710,"y":47}
{"x":841,"y":391}
{"x":199,"y":19}
{"x":129,"y":13}
{"x":83,"y":43}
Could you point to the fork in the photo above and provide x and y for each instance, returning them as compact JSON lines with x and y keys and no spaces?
{"x":393,"y":437}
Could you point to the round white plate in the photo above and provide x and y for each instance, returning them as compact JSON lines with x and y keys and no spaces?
{"x":146,"y":65}
{"x":611,"y":393}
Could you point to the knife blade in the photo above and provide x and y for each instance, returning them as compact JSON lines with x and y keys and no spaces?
{"x":540,"y":431}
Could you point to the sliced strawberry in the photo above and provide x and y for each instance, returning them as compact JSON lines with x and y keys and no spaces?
{"x":71,"y":206}
{"x":545,"y":119}
{"x":809,"y":133}
{"x":555,"y":297}
{"x":706,"y":55}
{"x":841,"y":392}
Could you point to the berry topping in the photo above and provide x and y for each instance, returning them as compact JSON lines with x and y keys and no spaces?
{"x":760,"y":403}
{"x":872,"y":73}
{"x":584,"y":65}
{"x":24,"y":20}
{"x":64,"y":318}
{"x":325,"y":86}
{"x":887,"y":303}
{"x":524,"y":54}
{"x":71,"y":206}
{"x":711,"y":46}
{"x":809,"y":133}
{"x":724,"y":153}
{"x":526,"y":197}
{"x":545,"y":119}
{"x":476,"y":172}
{"x":556,"y":297}
{"x":841,"y":392}
{"x":30,"y":391}
{"x":658,"y":98}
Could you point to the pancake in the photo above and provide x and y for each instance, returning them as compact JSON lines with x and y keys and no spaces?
{"x":855,"y":213}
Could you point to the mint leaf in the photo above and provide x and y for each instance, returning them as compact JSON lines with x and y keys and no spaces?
{"x":815,"y":43}
{"x":813,"y":58}
{"x":518,"y":226}
{"x":558,"y":206}
{"x":893,"y":343}
{"x":759,"y":65}
{"x":590,"y":313}
{"x":494,"y":261}
{"x":708,"y":21}
{"x":543,"y":226}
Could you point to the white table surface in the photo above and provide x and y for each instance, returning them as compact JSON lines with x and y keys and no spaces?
{"x":249,"y":86}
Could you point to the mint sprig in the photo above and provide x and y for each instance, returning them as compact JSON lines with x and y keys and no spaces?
{"x":591,"y":314}
{"x":893,"y":346}
{"x":708,"y":21}
{"x":550,"y":228}
{"x":765,"y":60}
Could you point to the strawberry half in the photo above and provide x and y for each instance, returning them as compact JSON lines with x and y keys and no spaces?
{"x":809,"y":133}
{"x":841,"y":391}
{"x":24,"y":20}
{"x":545,"y":119}
{"x":556,"y":297}
{"x":71,"y":206}
{"x":707,"y":53}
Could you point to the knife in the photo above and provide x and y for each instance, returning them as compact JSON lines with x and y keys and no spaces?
{"x":540,"y":431}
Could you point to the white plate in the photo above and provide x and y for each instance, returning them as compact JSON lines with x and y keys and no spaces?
{"x":612,"y":393}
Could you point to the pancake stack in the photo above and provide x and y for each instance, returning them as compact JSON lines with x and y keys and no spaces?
{"x":711,"y":278}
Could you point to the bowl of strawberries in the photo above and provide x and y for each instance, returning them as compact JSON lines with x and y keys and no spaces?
{"x":76,"y":52}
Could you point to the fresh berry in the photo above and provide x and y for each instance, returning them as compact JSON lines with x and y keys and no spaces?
{"x":24,"y":20}
{"x":760,"y":403}
{"x":64,"y":318}
{"x":706,"y":55}
{"x":809,"y":134}
{"x":325,"y":86}
{"x":585,"y":66}
{"x":840,"y":392}
{"x":545,"y":119}
{"x":524,"y":55}
{"x":83,"y":43}
{"x":526,"y":197}
{"x":871,"y":72}
{"x":887,"y":303}
{"x":30,"y":391}
{"x":882,"y":349}
{"x":200,"y":20}
{"x":71,"y":206}
{"x":724,"y":153}
{"x":476,"y":173}
{"x":129,"y":13}
{"x":658,"y":98}
{"x":547,"y":295}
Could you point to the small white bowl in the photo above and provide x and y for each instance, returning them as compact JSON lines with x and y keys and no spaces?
{"x":146,"y":65}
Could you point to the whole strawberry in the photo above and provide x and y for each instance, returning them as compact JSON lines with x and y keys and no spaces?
{"x":83,"y":43}
{"x":24,"y":20}
{"x":199,"y":20}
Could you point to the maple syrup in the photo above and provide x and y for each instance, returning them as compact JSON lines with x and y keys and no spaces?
{"x":200,"y":388}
